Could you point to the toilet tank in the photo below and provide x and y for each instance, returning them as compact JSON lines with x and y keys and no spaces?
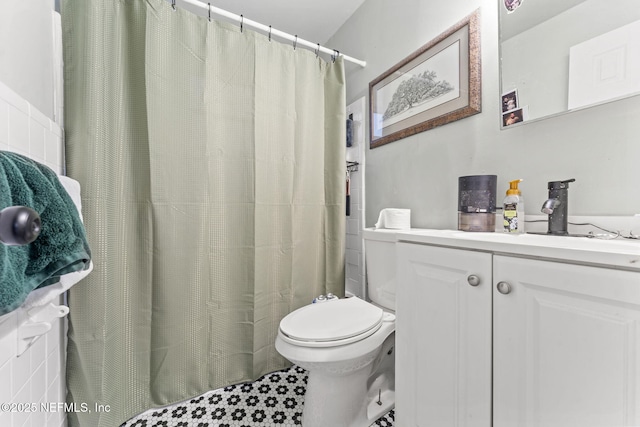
{"x":380,"y":258}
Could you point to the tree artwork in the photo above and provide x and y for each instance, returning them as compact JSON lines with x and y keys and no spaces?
{"x":418,"y":89}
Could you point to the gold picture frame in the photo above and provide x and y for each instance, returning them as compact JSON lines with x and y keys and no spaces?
{"x":437,"y":84}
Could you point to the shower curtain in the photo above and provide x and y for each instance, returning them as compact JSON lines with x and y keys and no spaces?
{"x":212,"y":167}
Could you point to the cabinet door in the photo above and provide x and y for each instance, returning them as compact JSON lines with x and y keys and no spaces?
{"x":566,"y":345}
{"x":443,"y":337}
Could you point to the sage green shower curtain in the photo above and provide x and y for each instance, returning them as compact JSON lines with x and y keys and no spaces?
{"x":212,"y":168}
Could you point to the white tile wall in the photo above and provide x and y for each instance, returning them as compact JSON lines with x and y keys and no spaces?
{"x":354,"y":245}
{"x":37,"y":375}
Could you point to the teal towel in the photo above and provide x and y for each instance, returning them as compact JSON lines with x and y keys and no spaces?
{"x":60,"y":248}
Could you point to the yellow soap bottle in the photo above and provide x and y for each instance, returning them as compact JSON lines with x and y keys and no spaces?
{"x":513,"y":209}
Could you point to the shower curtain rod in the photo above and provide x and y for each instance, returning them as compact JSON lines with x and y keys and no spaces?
{"x":208,"y":9}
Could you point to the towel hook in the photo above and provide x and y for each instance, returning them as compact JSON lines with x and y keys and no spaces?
{"x":352,"y":166}
{"x":269,"y":32}
{"x":241,"y":22}
{"x":209,"y":11}
{"x":295,"y":42}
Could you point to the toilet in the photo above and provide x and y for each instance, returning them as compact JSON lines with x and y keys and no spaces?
{"x":347,"y":346}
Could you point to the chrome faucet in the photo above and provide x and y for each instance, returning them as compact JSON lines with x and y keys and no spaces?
{"x":556,"y":206}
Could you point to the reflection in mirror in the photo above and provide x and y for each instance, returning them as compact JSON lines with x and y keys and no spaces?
{"x":561,"y":55}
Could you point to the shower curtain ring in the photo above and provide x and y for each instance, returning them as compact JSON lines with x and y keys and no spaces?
{"x":209,"y":11}
{"x":173,"y":4}
{"x":295,"y":42}
{"x":269,"y":32}
{"x":241,"y":22}
{"x":335,"y":55}
{"x":318,"y":50}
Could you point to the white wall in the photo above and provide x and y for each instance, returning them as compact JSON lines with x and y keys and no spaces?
{"x":26,"y":51}
{"x":600,"y":147}
{"x":37,"y":375}
{"x":27,"y":65}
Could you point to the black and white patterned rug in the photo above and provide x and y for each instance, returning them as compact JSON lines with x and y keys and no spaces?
{"x":275,"y":399}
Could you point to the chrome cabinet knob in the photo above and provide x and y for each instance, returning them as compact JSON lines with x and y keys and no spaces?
{"x":473,"y":280}
{"x":503,"y":287}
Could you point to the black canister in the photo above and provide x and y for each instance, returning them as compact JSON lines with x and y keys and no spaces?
{"x":477,"y":202}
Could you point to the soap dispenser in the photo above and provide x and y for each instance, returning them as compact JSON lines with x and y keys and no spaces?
{"x":513,"y":209}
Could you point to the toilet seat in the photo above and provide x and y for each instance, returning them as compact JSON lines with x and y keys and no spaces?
{"x":332,"y":323}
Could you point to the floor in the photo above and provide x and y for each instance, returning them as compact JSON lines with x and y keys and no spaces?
{"x":276,"y":399}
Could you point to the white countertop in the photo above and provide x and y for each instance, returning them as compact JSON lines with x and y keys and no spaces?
{"x":617,"y":253}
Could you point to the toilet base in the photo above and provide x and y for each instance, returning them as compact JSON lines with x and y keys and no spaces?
{"x":324,"y":406}
{"x":336,"y":398}
{"x":376,"y":408}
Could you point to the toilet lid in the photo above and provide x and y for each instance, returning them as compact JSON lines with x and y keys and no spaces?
{"x":332,"y":320}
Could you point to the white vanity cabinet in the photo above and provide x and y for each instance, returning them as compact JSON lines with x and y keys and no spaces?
{"x":443,"y":337}
{"x":566,"y":349}
{"x":549,"y":336}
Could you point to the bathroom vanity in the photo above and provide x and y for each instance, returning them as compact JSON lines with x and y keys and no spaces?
{"x":528,"y":330}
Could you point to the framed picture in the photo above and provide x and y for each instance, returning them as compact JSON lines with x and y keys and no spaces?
{"x":437,"y":84}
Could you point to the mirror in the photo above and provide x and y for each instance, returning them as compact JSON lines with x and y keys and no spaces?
{"x":564,"y":55}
